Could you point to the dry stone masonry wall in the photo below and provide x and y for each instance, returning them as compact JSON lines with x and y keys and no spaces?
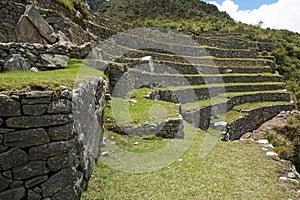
{"x":45,"y":149}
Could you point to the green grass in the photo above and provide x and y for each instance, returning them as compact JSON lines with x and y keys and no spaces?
{"x":203,"y":103}
{"x":141,"y":112}
{"x":221,"y":98}
{"x":235,"y":113}
{"x":23,"y":81}
{"x":232,"y":170}
{"x":249,"y":106}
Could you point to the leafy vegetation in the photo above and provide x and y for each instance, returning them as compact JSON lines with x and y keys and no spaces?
{"x":287,"y":141}
{"x":16,"y":81}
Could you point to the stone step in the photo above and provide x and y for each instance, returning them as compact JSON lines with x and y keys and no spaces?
{"x":134,"y":58}
{"x":251,"y":119}
{"x":158,"y":50}
{"x":230,"y":42}
{"x":207,"y":109}
{"x":142,"y":78}
{"x":195,"y":93}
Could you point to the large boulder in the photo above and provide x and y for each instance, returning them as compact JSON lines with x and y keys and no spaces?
{"x":54,"y":61}
{"x":26,"y":32}
{"x":17,"y":62}
{"x":31,"y":21}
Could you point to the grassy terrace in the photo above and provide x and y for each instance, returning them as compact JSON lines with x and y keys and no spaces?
{"x":222,"y":98}
{"x":157,"y":54}
{"x":175,"y":44}
{"x":22,"y":81}
{"x":140,"y":112}
{"x":216,"y":85}
{"x":232,"y":170}
{"x":234,"y":114}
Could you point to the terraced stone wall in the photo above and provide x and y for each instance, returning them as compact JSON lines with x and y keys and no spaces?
{"x":201,"y":117}
{"x":9,"y":17}
{"x":23,"y":56}
{"x":49,"y":141}
{"x":253,"y":119}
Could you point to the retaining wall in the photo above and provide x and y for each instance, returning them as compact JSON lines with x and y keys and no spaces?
{"x":23,"y":56}
{"x":49,"y":141}
{"x":194,"y":94}
{"x":201,"y":116}
{"x":253,"y":119}
{"x":170,"y":128}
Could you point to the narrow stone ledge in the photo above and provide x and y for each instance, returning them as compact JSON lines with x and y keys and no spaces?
{"x":26,"y":138}
{"x":35,"y":110}
{"x":29,"y":170}
{"x":51,"y":149}
{"x":38,"y":121}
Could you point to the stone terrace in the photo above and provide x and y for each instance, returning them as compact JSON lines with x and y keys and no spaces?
{"x":209,"y":77}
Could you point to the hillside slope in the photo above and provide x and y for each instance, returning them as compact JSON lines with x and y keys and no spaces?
{"x":199,"y":18}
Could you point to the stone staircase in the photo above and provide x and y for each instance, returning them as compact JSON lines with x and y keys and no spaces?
{"x":218,"y":82}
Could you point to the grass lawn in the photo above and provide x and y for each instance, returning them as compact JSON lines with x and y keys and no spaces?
{"x":232,"y":170}
{"x":142,"y":111}
{"x":23,"y":81}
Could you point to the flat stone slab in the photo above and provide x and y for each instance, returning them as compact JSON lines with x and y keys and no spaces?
{"x":13,"y":158}
{"x":29,"y":170}
{"x":26,"y":138}
{"x":38,"y":121}
{"x":13,"y":194}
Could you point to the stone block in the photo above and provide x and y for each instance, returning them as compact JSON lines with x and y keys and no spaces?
{"x":9,"y":107}
{"x":51,"y":149}
{"x":61,"y":132}
{"x":13,"y":158}
{"x":58,"y":182}
{"x":17,"y":62}
{"x":29,"y":170}
{"x":59,"y":162}
{"x":1,"y":121}
{"x":68,"y":193}
{"x":35,"y":110}
{"x":16,"y":184}
{"x":36,"y":181}
{"x":32,"y":195}
{"x":60,"y":106}
{"x":38,"y":121}
{"x":54,"y":60}
{"x":26,"y":138}
{"x":13,"y":194}
{"x":4,"y":183}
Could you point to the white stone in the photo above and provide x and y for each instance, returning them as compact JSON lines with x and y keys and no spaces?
{"x":180,"y":160}
{"x":291,"y":175}
{"x":146,"y":58}
{"x":270,"y":146}
{"x":136,"y":143}
{"x":271,"y":153}
{"x":34,"y":69}
{"x":283,"y":178}
{"x":264,"y":149}
{"x":263,"y":141}
{"x":105,"y":153}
